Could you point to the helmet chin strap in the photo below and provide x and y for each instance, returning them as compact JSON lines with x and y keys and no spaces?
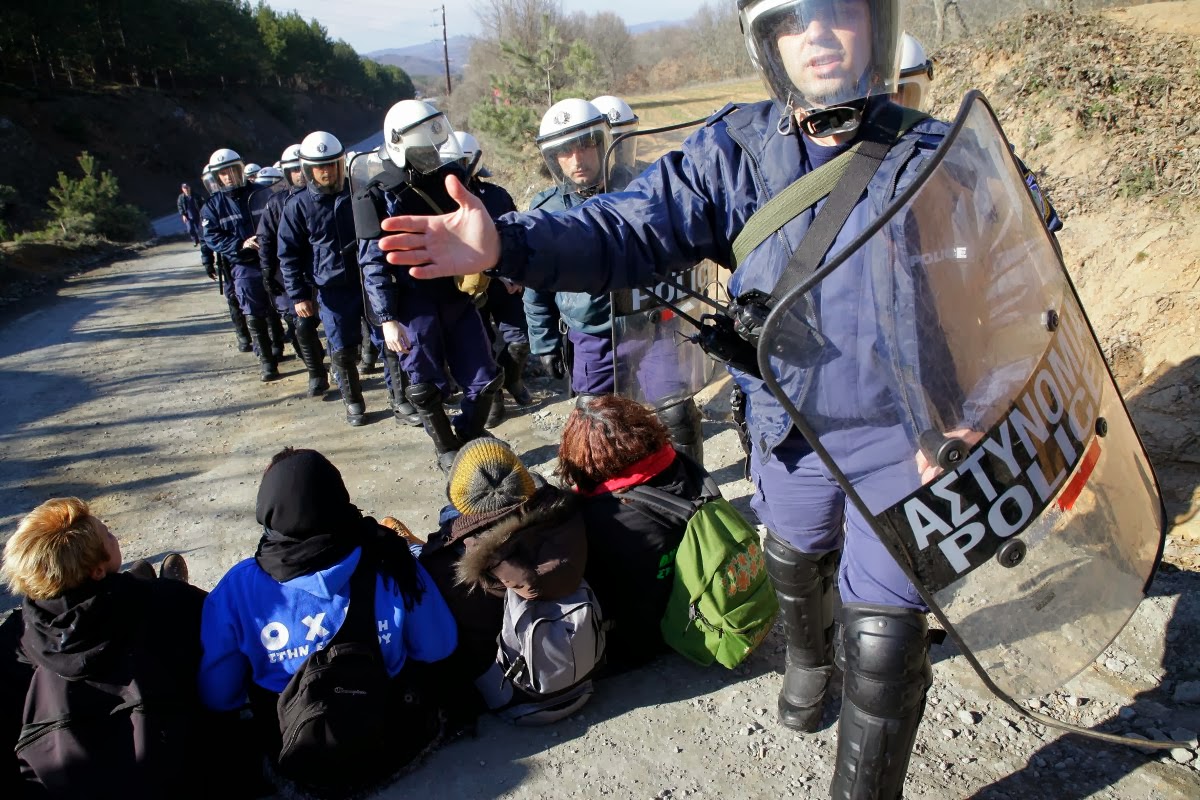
{"x":833,"y":120}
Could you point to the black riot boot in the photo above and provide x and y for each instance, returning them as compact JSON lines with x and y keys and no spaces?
{"x":805,"y":585}
{"x":244,"y":345}
{"x":497,"y":413}
{"x":684,"y":427}
{"x":308,"y":343}
{"x":472,"y":423}
{"x":260,"y":335}
{"x":345,"y":368}
{"x":402,"y":408}
{"x":887,"y":675}
{"x":278,"y":337}
{"x":582,"y":399}
{"x":370,"y":353}
{"x":512,"y":360}
{"x":427,"y":399}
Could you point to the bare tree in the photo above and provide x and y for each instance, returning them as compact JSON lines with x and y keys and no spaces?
{"x":609,"y":39}
{"x":944,"y":9}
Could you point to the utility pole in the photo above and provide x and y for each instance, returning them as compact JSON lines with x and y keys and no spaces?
{"x":445,"y":51}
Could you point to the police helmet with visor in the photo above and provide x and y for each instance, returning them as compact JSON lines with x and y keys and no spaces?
{"x":289,"y":163}
{"x":323,"y":163}
{"x":621,"y":120}
{"x":471,"y":153}
{"x":252,"y":172}
{"x":208,"y":180}
{"x":228,"y":169}
{"x":573,"y":138}
{"x":916,"y":74}
{"x":418,"y":137}
{"x":271,"y":176}
{"x":820,"y":59}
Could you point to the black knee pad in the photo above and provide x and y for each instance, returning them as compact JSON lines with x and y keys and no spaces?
{"x":887,"y":670}
{"x":518,"y":350}
{"x":345,"y":359}
{"x":425,"y":396}
{"x":793,"y":572}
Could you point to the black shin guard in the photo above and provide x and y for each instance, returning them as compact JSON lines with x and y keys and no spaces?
{"x":887,"y":676}
{"x":308,"y":343}
{"x":244,"y":345}
{"x":370,"y":353}
{"x":473,"y":423}
{"x":345,"y":366}
{"x":402,"y":408}
{"x":260,"y":334}
{"x":278,"y":338}
{"x":427,"y":399}
{"x":805,"y":586}
{"x":512,"y":360}
{"x":684,"y":427}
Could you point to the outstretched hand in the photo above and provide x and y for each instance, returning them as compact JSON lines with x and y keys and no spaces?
{"x":462,"y":242}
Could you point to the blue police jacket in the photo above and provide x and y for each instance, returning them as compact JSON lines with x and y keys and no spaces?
{"x":383,"y":281}
{"x":691,"y":204}
{"x":230,"y":218}
{"x":588,"y":312}
{"x":317,"y":245}
{"x":268,"y":232}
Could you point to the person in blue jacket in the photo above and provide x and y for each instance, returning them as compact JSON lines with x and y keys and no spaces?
{"x":319,"y":262}
{"x":230,"y":221}
{"x":830,"y":65}
{"x":304,"y":330}
{"x":270,"y":612}
{"x":434,"y":325}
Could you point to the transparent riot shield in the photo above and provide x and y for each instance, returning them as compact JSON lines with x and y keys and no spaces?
{"x":944,"y":371}
{"x":370,"y":175}
{"x":656,"y":363}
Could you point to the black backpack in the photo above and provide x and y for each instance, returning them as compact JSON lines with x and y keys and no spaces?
{"x":343,"y":721}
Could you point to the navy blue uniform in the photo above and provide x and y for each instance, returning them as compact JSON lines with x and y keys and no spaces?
{"x":505,"y":310}
{"x":587,"y":316}
{"x":229,"y":219}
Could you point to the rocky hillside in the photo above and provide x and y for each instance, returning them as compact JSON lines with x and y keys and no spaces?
{"x":153,"y":140}
{"x":1103,"y":108}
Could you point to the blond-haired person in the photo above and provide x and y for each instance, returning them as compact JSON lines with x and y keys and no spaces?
{"x":107,"y":704}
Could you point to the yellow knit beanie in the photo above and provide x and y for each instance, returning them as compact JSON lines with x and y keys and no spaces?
{"x":488,"y":476}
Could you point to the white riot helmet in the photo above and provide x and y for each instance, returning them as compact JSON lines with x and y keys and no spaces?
{"x":571,"y":130}
{"x":916,"y":74}
{"x":418,"y":137}
{"x":208,"y":180}
{"x":323,"y":151}
{"x":818,"y":58}
{"x":289,"y":162}
{"x":621,"y":120}
{"x":270,"y":176}
{"x":470,"y":153}
{"x":252,"y":171}
{"x":228,"y":169}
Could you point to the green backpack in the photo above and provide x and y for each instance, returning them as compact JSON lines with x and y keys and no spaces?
{"x":722,"y":604}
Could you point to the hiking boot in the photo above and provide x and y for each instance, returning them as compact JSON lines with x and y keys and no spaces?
{"x":174,"y":567}
{"x":401,"y":530}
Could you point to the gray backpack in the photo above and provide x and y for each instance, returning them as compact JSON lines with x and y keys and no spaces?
{"x":547,"y":654}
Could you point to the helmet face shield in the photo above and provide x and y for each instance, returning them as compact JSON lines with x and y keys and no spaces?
{"x":229,"y":177}
{"x":294,"y":176}
{"x":325,"y":177}
{"x":424,"y":145}
{"x":814,"y":54}
{"x":576,"y":158}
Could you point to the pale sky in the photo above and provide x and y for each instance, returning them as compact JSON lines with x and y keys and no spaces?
{"x":370,"y":25}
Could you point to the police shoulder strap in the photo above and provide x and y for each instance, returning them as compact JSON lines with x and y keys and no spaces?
{"x":806,"y":192}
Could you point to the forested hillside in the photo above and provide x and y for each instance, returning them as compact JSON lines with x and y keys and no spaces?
{"x":151,"y":87}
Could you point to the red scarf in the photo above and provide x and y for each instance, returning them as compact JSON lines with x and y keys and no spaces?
{"x":637,"y":473}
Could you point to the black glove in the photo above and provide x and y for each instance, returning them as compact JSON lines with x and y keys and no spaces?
{"x":553,"y":364}
{"x":210,"y":269}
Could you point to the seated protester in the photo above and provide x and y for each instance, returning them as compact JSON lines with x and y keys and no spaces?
{"x":609,"y":445}
{"x":269,"y":613}
{"x":509,"y":533}
{"x":106,"y":702}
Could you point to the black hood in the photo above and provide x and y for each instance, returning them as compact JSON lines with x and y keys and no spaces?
{"x":79,"y":633}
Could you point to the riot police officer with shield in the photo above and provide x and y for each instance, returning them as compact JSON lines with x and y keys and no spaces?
{"x":857,"y":361}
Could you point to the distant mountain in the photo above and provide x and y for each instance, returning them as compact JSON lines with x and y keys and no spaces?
{"x":426,"y":59}
{"x":643,"y":27}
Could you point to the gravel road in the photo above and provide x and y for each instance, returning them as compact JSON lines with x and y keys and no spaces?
{"x":124,"y":388}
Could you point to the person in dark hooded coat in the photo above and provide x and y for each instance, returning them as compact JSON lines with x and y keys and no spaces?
{"x":99,"y":696}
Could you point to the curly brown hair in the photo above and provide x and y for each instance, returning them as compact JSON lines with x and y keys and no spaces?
{"x":605,"y":437}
